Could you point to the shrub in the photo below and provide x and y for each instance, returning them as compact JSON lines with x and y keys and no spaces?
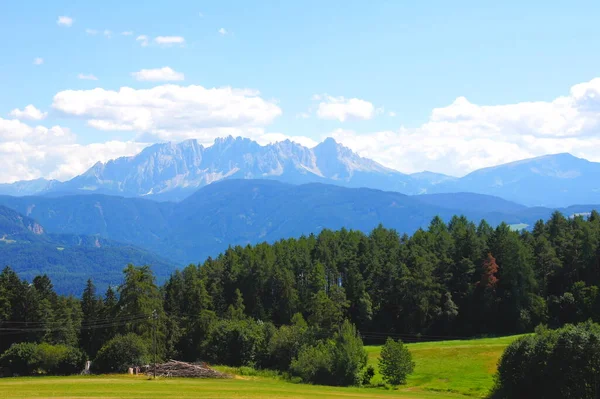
{"x":30,"y":358}
{"x":335,"y":361}
{"x":59,"y":359}
{"x":20,"y":359}
{"x":395,"y":362}
{"x":120,"y":353}
{"x":368,"y":375}
{"x":315,"y":363}
{"x":562,"y":363}
{"x":71,"y":362}
{"x":286,"y":342}
{"x":234,"y":342}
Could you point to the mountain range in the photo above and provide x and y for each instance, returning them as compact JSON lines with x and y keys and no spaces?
{"x":69,"y":259}
{"x":173,"y":172}
{"x":94,"y":234}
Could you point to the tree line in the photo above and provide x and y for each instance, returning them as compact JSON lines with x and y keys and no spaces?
{"x":259,"y":305}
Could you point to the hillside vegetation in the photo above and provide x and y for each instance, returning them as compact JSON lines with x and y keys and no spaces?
{"x":448,"y":369}
{"x":305,"y":307}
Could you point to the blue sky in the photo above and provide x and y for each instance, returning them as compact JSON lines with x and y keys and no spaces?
{"x":436,"y":85}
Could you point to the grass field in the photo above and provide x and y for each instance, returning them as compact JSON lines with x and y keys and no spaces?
{"x":449,"y":369}
{"x":462,"y":367}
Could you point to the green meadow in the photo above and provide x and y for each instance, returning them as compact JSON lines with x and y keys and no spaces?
{"x":448,"y":369}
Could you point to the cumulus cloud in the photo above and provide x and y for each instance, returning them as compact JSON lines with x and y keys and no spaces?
{"x":222,"y":31}
{"x":163,"y":74}
{"x":463,"y":136}
{"x":84,"y":76}
{"x":13,"y":130}
{"x":343,"y":109}
{"x":91,"y":32}
{"x":29,"y":152}
{"x":169,"y":40}
{"x":170,"y":111}
{"x":38,"y":61}
{"x":143,"y":39}
{"x":64,"y":21}
{"x":107,"y":33}
{"x":127,"y":33}
{"x":29,"y":112}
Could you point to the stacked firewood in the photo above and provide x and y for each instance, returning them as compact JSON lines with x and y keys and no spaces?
{"x":174,"y":368}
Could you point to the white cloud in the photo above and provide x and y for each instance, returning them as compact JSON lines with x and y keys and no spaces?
{"x":169,"y":40}
{"x":392,"y":114}
{"x":127,"y":33}
{"x":107,"y":33}
{"x":64,"y":21}
{"x":84,"y":76}
{"x":29,"y":112}
{"x":29,"y":152}
{"x":38,"y":61}
{"x":143,"y":39}
{"x":222,"y":31}
{"x":91,"y":32}
{"x":171,"y":112}
{"x":303,"y":115}
{"x":13,"y":130}
{"x":463,"y":136}
{"x":343,"y":109}
{"x":158,"y":75}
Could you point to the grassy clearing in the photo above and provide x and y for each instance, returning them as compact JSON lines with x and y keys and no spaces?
{"x":463,"y":367}
{"x":444,"y":370}
{"x":142,"y":387}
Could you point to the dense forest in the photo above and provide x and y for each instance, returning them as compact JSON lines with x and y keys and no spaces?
{"x":257,"y":305}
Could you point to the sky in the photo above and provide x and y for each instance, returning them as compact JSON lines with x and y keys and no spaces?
{"x":442,"y":86}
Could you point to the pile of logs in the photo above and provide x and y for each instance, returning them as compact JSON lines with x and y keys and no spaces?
{"x":174,"y":368}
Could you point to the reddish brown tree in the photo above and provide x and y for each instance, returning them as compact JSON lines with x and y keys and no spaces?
{"x":489,"y":272}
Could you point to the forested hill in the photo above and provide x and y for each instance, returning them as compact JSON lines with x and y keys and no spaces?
{"x":241,"y":212}
{"x":69,"y":259}
{"x":450,"y":280}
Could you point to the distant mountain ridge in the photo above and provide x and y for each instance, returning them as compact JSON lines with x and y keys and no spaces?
{"x":174,"y":171}
{"x":550,"y":180}
{"x":69,"y":259}
{"x":74,"y":236}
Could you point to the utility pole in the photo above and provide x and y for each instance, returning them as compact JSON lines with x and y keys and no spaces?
{"x":155,"y":317}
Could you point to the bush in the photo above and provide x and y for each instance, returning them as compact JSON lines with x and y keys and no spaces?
{"x":286,"y":342}
{"x":71,"y":362}
{"x":235,"y":342}
{"x":336,"y":361}
{"x":368,"y":375}
{"x":120,"y":353}
{"x":59,"y":359}
{"x":20,"y":359}
{"x":562,"y":363}
{"x":30,"y":358}
{"x":314,"y":363}
{"x":395,"y":362}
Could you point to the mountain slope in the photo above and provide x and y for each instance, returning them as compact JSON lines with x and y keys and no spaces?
{"x":553,"y":180}
{"x":69,"y":259}
{"x":173,"y":171}
{"x":241,"y":211}
{"x":28,"y":187}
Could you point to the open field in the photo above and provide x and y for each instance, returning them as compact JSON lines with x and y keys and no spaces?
{"x":463,"y":367}
{"x":449,"y":369}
